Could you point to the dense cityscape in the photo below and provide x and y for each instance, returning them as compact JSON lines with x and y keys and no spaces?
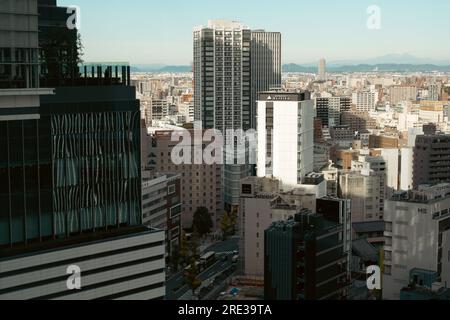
{"x":239,"y":177}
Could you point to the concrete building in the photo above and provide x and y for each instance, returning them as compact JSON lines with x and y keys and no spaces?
{"x":126,"y":264}
{"x":255,"y":212}
{"x":201,"y":184}
{"x":343,"y":136}
{"x":399,"y":169}
{"x":364,"y":190}
{"x":159,"y":109}
{"x":431,"y":160}
{"x":417,"y":236}
{"x":263,"y":202}
{"x":402,"y":93}
{"x":329,"y":110}
{"x":365,"y":100}
{"x":162,"y":208}
{"x":305,"y":259}
{"x":358,"y":121}
{"x":285,"y":136}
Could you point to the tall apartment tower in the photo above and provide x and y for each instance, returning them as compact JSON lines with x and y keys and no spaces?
{"x":322,"y":69}
{"x":430,"y":155}
{"x":285,"y":136}
{"x":222,"y":75}
{"x":305,"y":260}
{"x":231,"y":64}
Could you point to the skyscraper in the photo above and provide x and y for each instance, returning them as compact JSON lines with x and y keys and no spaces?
{"x":231,"y":64}
{"x":322,"y":69}
{"x":222,"y":76}
{"x":70,"y":175}
{"x":266,"y":65}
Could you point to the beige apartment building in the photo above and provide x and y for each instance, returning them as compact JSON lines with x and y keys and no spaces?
{"x":201,"y":184}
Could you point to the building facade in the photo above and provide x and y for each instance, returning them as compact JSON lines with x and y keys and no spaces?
{"x":417,"y":236}
{"x":70,"y":171}
{"x":305,"y":260}
{"x":201,"y":184}
{"x":162,"y":208}
{"x":285,"y":136}
{"x":124,"y":265}
{"x":431,"y":160}
{"x":231,"y":63}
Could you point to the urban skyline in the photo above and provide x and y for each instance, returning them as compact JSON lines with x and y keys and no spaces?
{"x":230,"y":180}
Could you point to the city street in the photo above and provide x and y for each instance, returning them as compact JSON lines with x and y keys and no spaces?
{"x":222,"y":248}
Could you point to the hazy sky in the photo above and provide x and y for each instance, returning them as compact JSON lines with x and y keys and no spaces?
{"x":160,"y":32}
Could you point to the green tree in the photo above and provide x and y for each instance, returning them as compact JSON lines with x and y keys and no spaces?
{"x":175,"y":258}
{"x":184,"y":250}
{"x":191,"y":277}
{"x":202,"y":221}
{"x":194,"y":245}
{"x":225,"y":225}
{"x":233,"y":221}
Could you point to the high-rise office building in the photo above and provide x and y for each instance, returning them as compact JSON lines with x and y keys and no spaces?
{"x":231,"y":63}
{"x":431,"y":160}
{"x":305,"y":259}
{"x":417,"y":236}
{"x":265,"y":66}
{"x":70,"y":177}
{"x":285,"y":136}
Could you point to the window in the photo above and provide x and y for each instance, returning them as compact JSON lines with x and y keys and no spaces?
{"x":171,"y":189}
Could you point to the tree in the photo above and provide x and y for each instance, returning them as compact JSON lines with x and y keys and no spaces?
{"x":175,"y":258}
{"x":234,"y":220}
{"x":194,"y":245}
{"x":225,"y":225}
{"x":184,"y":250}
{"x":191,"y":277}
{"x":202,"y":221}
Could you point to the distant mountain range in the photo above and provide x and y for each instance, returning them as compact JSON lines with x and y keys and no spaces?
{"x":161,"y":69}
{"x":387,"y":63}
{"x":369,"y":68}
{"x":403,"y":58}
